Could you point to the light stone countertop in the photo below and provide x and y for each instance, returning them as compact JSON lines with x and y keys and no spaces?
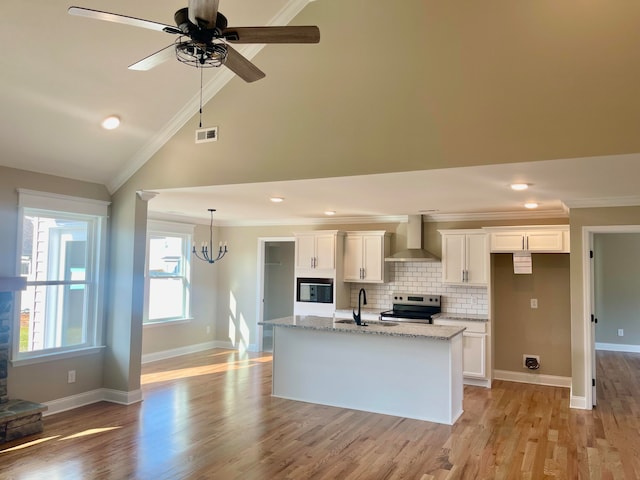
{"x":401,"y":329}
{"x":461,"y":316}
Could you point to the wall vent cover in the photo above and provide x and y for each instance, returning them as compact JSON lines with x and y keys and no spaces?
{"x":209,"y":134}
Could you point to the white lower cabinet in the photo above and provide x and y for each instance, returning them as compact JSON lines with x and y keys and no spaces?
{"x":476,"y":360}
{"x":474,"y":354}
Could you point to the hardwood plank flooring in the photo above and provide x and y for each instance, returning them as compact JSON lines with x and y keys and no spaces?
{"x":211,"y":416}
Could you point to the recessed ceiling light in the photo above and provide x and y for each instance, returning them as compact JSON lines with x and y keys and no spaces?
{"x":531,"y":205}
{"x":519,"y":186}
{"x":330,"y":212}
{"x":277,"y":199}
{"x":111,"y":122}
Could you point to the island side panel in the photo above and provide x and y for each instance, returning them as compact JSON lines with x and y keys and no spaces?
{"x":402,"y":376}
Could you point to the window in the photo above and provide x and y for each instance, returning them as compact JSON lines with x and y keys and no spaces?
{"x":168,"y":271}
{"x":62,"y":257}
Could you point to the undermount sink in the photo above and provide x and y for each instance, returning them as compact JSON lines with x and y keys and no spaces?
{"x":365,"y":323}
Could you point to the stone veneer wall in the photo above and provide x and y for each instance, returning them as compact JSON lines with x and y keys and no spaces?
{"x":6,"y":300}
{"x":423,"y":277}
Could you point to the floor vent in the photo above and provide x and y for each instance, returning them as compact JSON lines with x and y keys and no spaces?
{"x":207,"y":135}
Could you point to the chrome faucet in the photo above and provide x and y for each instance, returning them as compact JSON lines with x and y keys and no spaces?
{"x":357,"y":317}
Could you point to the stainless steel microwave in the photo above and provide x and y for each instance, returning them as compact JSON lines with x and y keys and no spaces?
{"x":315,"y":290}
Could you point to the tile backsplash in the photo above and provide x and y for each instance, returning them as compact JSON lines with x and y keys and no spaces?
{"x":423,"y":277}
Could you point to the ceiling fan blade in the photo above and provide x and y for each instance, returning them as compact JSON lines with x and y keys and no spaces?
{"x":155,"y":59}
{"x":203,"y":12}
{"x":125,"y":20}
{"x":286,"y":34}
{"x":241,"y":66}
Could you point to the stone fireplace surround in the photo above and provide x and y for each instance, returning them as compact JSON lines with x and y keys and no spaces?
{"x":18,"y":418}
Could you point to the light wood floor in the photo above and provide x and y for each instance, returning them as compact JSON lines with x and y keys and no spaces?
{"x":211,"y":416}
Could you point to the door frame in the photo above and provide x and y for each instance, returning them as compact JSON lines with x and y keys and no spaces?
{"x":588,"y":307}
{"x":262,"y":245}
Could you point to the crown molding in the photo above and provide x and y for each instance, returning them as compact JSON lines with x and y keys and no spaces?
{"x":222,"y":77}
{"x":604,"y":202}
{"x":514,"y":215}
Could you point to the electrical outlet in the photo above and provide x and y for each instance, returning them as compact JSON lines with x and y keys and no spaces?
{"x":534,"y":303}
{"x":71,"y":376}
{"x":208,"y":329}
{"x":621,"y":332}
{"x":532,"y":362}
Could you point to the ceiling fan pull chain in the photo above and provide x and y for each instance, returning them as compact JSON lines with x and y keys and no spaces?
{"x":200,"y":97}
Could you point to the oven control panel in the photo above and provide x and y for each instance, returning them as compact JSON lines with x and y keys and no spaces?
{"x":401,"y":298}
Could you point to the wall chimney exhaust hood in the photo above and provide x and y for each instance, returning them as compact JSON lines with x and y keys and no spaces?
{"x":414,"y":251}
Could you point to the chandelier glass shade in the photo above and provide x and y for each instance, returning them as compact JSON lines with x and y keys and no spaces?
{"x":206,"y":250}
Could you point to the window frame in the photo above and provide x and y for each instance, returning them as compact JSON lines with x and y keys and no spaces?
{"x":95,"y":213}
{"x":170,"y":229}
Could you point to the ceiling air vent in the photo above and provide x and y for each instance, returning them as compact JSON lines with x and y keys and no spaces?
{"x":207,"y":135}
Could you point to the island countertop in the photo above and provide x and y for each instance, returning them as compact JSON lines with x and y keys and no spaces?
{"x":399,"y":329}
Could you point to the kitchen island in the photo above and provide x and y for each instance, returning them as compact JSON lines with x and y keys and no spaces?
{"x":402,"y":369}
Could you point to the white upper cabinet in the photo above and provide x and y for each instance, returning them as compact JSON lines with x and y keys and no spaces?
{"x":316,"y":250}
{"x":541,"y":239}
{"x":465,"y":257}
{"x":364,"y":254}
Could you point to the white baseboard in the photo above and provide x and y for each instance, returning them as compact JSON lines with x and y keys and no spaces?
{"x":618,"y":347}
{"x":477,"y":382}
{"x":578,"y":402}
{"x":92,"y":396}
{"x":176,"y":352}
{"x":535,"y":378}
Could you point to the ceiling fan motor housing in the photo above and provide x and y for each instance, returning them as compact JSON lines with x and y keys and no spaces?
{"x":181,"y":18}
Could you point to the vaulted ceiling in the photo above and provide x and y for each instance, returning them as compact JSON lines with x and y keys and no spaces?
{"x":421,"y":105}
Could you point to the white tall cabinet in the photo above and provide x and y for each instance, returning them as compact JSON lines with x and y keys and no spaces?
{"x":465,"y":257}
{"x":318,"y":254}
{"x":364,"y":254}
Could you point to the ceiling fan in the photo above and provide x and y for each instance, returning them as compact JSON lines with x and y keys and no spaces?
{"x":204,"y":37}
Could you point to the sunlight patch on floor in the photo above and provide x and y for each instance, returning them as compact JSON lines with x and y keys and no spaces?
{"x":29,"y":444}
{"x":149,"y":378}
{"x":91,"y":431}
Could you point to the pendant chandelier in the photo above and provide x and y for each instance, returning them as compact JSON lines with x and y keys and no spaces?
{"x":206,"y":251}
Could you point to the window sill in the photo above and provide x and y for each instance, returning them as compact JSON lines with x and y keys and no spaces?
{"x":50,"y":357}
{"x":163,"y":323}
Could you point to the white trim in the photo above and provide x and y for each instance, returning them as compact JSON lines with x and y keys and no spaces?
{"x":587,"y":347}
{"x":515,"y":215}
{"x":628,"y":201}
{"x":177,"y":352}
{"x":121,"y":397}
{"x":618,"y":347}
{"x":534,"y":378}
{"x":578,"y":402}
{"x":262,"y":245}
{"x":93,"y":396}
{"x":222,"y":77}
{"x":61,"y":203}
{"x":32,"y":359}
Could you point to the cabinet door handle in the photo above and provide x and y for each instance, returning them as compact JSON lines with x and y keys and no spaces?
{"x":463,"y":275}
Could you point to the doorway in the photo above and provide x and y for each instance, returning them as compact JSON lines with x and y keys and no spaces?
{"x":276,"y":285}
{"x":611,"y":276}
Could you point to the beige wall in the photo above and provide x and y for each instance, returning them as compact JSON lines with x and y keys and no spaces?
{"x":444,"y":90}
{"x":46,"y":381}
{"x":579,"y":219}
{"x":616,"y":281}
{"x":517,"y":328}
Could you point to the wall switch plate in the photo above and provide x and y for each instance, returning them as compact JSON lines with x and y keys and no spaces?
{"x":534,"y":303}
{"x":208,"y":329}
{"x":71,"y":376}
{"x":621,"y":332}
